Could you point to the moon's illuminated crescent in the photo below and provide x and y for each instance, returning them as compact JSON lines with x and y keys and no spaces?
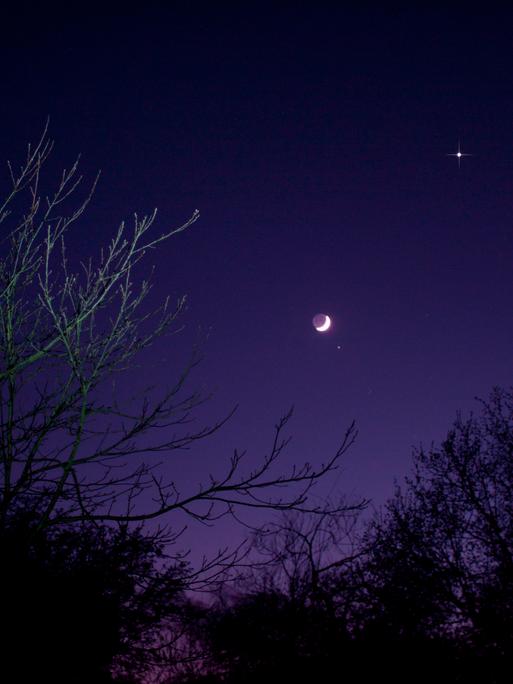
{"x":322,"y":322}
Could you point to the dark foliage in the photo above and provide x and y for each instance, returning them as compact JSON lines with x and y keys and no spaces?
{"x":267,"y":636}
{"x":438,"y":574}
{"x":79,"y":600}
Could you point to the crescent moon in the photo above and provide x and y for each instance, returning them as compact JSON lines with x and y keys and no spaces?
{"x":325,"y":325}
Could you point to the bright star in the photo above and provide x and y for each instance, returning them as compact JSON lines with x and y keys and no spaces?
{"x":459,"y":154}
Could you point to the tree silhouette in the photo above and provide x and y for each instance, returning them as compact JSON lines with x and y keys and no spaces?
{"x":267,"y":635}
{"x":285,"y":617}
{"x":439,"y":566}
{"x":64,"y":449}
{"x":77,"y":602}
{"x":298,"y":553}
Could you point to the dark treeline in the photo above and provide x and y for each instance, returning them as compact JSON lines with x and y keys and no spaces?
{"x":78,"y":600}
{"x":423,"y":591}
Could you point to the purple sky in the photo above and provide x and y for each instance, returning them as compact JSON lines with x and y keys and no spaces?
{"x":314,"y":143}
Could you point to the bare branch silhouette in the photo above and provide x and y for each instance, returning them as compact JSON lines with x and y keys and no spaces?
{"x":63,"y":333}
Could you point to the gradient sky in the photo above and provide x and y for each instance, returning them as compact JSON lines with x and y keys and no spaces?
{"x":314,"y":143}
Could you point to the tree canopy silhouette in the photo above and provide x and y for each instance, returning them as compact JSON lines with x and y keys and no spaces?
{"x":439,"y":566}
{"x":78,"y":602}
{"x":424,"y":591}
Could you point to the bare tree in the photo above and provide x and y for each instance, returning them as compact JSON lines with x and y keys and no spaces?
{"x":65,"y":452}
{"x":300,"y":550}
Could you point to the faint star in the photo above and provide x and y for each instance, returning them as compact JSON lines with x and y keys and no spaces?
{"x":459,"y":154}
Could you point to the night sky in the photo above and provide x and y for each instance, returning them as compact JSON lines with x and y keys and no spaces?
{"x":314,"y":142}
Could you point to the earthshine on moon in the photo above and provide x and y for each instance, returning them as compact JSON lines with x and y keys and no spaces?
{"x":321,"y":322}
